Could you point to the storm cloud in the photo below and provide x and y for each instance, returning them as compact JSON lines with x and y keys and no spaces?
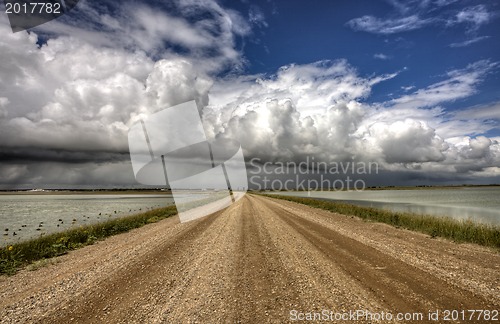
{"x":66,"y":105}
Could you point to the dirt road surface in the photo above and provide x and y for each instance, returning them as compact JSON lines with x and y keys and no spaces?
{"x":259,"y":261}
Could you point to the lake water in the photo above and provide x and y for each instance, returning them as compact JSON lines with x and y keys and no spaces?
{"x":23,"y":214}
{"x":478,"y":204}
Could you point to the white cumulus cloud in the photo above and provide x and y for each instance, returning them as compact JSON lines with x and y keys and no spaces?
{"x":66,"y":107}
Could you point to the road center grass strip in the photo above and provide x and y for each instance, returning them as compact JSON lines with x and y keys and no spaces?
{"x":447,"y":227}
{"x":16,"y":256}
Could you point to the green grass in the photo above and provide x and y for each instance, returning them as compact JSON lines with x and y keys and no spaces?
{"x":16,"y":256}
{"x":458,"y":231}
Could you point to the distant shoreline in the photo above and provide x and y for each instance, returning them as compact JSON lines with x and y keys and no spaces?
{"x":168,"y":191}
{"x":88,"y":192}
{"x":434,"y":187}
{"x":376,"y":188}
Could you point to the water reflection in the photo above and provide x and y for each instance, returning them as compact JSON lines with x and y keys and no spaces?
{"x":477,"y":214}
{"x":30,"y":216}
{"x":477,"y":204}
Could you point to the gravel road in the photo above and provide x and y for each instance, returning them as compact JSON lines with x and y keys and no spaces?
{"x":259,"y":261}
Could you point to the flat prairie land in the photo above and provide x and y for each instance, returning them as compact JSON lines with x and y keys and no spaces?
{"x":261,"y":260}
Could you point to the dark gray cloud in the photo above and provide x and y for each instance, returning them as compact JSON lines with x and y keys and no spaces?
{"x":66,"y":107}
{"x":53,"y":175}
{"x":36,"y":154}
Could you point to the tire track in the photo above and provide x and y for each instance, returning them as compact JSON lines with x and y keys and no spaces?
{"x":122,"y":290}
{"x":264,"y":287}
{"x":253,"y":262}
{"x":398,"y":285}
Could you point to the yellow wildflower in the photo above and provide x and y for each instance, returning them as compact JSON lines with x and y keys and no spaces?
{"x":11,"y":248}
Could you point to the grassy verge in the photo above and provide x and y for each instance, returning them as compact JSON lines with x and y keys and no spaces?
{"x":16,"y":256}
{"x":459,"y":231}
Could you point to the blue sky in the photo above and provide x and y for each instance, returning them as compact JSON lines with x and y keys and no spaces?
{"x":436,"y":42}
{"x":410,"y":85}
